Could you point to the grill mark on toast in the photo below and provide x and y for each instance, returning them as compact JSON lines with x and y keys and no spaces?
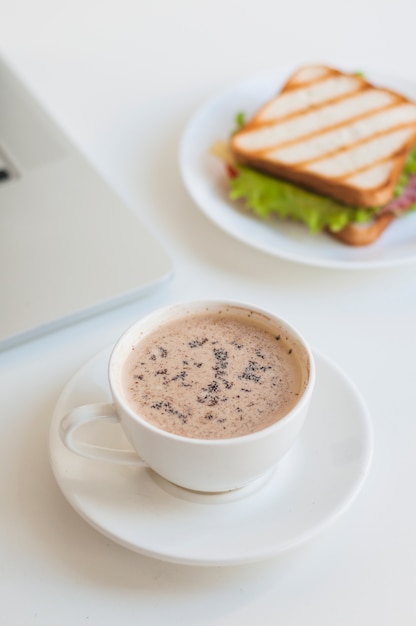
{"x":380,"y":171}
{"x":342,"y":85}
{"x":359,"y":136}
{"x":258,"y":121}
{"x":326,"y":111}
{"x":397,"y":139}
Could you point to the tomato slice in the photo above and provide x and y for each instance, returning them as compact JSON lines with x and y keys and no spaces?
{"x":231,"y":171}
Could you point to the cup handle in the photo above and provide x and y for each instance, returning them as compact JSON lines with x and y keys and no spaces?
{"x":91,"y":413}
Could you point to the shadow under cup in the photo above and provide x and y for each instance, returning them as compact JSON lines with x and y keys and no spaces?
{"x":211,"y":465}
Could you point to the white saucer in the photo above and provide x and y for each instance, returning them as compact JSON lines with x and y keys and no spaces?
{"x":313,"y":485}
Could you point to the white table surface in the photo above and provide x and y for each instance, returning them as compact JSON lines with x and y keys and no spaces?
{"x":122,"y":78}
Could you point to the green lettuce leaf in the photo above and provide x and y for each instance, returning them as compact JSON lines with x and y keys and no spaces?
{"x":265,"y":196}
{"x":408,"y":170}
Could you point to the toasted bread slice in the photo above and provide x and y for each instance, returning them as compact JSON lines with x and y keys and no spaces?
{"x":334,"y":133}
{"x":364,"y":234}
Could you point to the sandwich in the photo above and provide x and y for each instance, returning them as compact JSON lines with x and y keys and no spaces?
{"x":331,"y":150}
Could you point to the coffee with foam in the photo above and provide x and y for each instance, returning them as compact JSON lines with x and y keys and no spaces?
{"x":215,"y":374}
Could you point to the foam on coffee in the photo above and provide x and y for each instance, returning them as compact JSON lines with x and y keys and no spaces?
{"x":214,"y":375}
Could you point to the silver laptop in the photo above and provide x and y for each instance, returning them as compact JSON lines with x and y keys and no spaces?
{"x":68,"y":246}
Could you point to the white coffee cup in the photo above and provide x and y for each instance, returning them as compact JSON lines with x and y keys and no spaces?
{"x":207,"y":465}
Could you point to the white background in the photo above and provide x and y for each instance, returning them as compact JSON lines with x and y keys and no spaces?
{"x":122,"y":78}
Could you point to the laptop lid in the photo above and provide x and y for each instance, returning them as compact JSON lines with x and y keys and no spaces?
{"x":69,"y":247}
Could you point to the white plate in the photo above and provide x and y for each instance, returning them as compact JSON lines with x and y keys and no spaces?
{"x":205,"y":179}
{"x":312,"y":486}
